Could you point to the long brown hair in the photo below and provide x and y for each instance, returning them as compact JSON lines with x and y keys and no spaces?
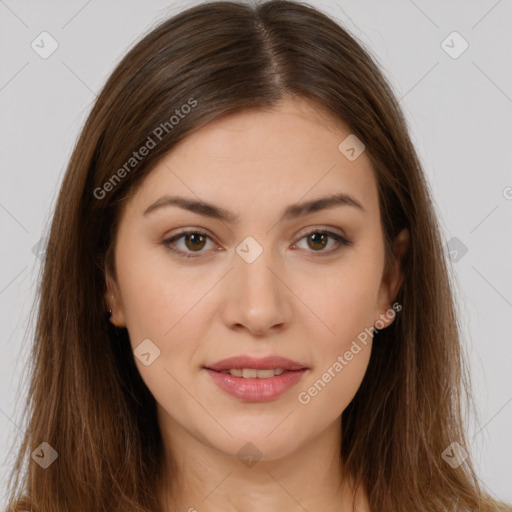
{"x":86,"y":397}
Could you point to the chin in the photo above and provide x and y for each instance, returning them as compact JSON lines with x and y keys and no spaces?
{"x":257,"y":442}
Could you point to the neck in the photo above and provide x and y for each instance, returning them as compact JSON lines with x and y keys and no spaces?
{"x":308,"y":477}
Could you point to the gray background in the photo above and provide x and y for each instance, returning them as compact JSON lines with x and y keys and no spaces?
{"x":459,"y":112}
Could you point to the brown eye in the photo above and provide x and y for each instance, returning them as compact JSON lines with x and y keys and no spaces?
{"x":195,"y":241}
{"x":318,"y":240}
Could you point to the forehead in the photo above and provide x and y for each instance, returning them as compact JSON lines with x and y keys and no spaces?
{"x":257,"y":159}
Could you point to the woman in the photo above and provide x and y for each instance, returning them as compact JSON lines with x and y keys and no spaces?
{"x":245,"y":303}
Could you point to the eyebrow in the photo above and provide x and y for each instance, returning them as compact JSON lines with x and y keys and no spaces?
{"x":291,"y":212}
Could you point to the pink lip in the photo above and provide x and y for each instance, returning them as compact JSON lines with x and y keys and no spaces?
{"x":257,"y":363}
{"x":254,"y":389}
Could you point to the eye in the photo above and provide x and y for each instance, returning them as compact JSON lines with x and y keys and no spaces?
{"x":195,"y":240}
{"x":318,"y":239}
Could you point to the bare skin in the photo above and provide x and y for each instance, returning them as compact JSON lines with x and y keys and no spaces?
{"x":301,"y":298}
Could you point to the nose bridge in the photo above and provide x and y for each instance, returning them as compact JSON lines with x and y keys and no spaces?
{"x":257,"y":297}
{"x":256,"y":276}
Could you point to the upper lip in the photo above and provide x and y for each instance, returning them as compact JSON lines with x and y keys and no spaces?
{"x":256,"y":363}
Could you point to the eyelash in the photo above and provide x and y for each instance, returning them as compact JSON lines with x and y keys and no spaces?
{"x":339,"y":239}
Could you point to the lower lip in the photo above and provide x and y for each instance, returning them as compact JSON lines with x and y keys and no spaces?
{"x":256,"y":390}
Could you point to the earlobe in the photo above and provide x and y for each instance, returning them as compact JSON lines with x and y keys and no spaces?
{"x":114,"y":307}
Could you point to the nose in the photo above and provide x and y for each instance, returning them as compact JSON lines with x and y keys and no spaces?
{"x":257,"y":297}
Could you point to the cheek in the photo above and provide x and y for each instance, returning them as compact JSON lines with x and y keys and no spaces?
{"x":347,"y":305}
{"x":341,"y":357}
{"x":156,"y":294}
{"x":331,"y":389}
{"x":342,"y":352}
{"x":162,"y":303}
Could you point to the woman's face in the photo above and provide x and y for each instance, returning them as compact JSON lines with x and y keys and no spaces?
{"x":253,"y":281}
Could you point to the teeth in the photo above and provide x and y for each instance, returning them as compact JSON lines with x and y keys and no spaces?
{"x":249,"y":373}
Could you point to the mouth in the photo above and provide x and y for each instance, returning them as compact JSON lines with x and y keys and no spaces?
{"x":251,"y":363}
{"x":256,"y":379}
{"x":252,"y":373}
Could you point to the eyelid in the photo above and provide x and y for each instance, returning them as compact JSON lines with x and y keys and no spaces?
{"x":308,"y":230}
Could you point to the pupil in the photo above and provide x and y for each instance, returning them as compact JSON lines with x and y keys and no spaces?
{"x":191,"y":238}
{"x":321,"y":236}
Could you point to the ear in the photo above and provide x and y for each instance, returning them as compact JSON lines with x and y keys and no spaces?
{"x":113,"y":300}
{"x":392,"y":279}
